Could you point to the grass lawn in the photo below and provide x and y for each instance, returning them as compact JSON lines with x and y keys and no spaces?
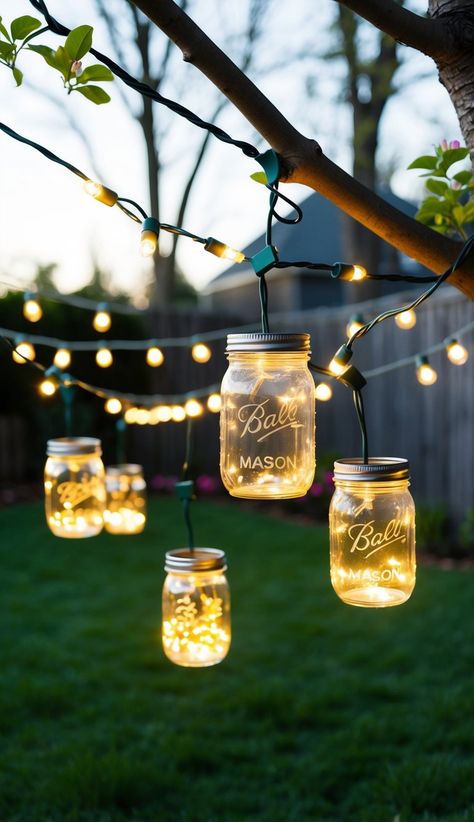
{"x":320,"y":711}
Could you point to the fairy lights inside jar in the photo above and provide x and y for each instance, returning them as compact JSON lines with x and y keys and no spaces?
{"x":74,"y":487}
{"x":196,"y":607}
{"x":372,"y":532}
{"x":125,"y":511}
{"x":267,"y":417}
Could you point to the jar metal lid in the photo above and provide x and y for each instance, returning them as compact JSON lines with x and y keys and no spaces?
{"x":268,"y":342}
{"x":126,"y":468}
{"x":352,"y":469}
{"x":184,"y":560}
{"x":73,"y":446}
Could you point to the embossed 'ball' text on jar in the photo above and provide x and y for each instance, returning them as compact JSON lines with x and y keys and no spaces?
{"x":196,"y":607}
{"x":74,"y":487}
{"x":267,"y":417}
{"x":125,"y":511}
{"x":372,"y":532}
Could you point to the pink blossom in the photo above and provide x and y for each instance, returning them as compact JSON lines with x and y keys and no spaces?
{"x":317,"y":489}
{"x":455,"y":144}
{"x":76,"y":68}
{"x":444,"y":145}
{"x":456,"y":185}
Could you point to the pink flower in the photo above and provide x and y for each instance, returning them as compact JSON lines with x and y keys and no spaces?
{"x":317,"y":489}
{"x":455,"y":144}
{"x":444,"y":145}
{"x":76,"y":68}
{"x":455,"y":185}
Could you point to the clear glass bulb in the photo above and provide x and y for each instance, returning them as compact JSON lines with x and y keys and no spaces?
{"x":201,"y":353}
{"x":32,"y":311}
{"x":406,"y":319}
{"x":104,"y":358}
{"x":24,"y":352}
{"x":214,"y":403}
{"x":62,"y":358}
{"x":193,"y":408}
{"x":323,"y":392}
{"x":457,"y":353}
{"x":48,"y":387}
{"x":102,"y":321}
{"x":154,"y":356}
{"x":113,"y":406}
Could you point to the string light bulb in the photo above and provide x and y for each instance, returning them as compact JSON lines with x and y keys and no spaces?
{"x":201,"y":353}
{"x":222,"y":250}
{"x":457,"y":353}
{"x":24,"y":352}
{"x":178,"y":414}
{"x":149,"y":236}
{"x":323,"y":392}
{"x":113,"y":405}
{"x":359,"y":273}
{"x":101,"y":193}
{"x":154,"y":356}
{"x":193,"y":408}
{"x":48,"y":387}
{"x":356,"y":321}
{"x":104,"y":358}
{"x":163,"y":413}
{"x":102,"y":320}
{"x":406,"y":319}
{"x":214,"y":403}
{"x":32,"y":310}
{"x":339,"y":362}
{"x":425,"y":374}
{"x":346,"y":271}
{"x":62,"y":358}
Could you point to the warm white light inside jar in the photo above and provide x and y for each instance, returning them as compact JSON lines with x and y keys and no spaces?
{"x":196,"y":608}
{"x":74,"y":487}
{"x":125,"y":511}
{"x":267,"y":417}
{"x":372,"y":532}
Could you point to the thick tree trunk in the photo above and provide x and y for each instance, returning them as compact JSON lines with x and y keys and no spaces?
{"x":456,"y":72}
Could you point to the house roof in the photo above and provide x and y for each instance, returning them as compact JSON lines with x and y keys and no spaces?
{"x":320,"y":236}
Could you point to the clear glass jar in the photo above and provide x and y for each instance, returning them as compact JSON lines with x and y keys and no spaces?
{"x":372,"y":532}
{"x":74,"y":487}
{"x":267,"y":417}
{"x":196,"y":607}
{"x":125,"y":511}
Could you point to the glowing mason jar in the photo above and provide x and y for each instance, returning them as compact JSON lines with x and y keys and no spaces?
{"x":267,"y":417}
{"x":74,"y":487}
{"x":372,"y":532}
{"x":196,"y":607}
{"x":125,"y":511}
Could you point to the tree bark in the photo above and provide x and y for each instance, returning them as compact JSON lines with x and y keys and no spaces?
{"x":302,"y":159}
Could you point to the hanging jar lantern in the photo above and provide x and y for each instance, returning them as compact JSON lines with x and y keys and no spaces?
{"x":372,"y":532}
{"x":267,"y":417}
{"x":125,"y":511}
{"x":74,"y":487}
{"x":196,"y":607}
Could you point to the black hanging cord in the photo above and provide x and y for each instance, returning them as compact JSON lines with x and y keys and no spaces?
{"x":185,"y":487}
{"x":144,"y":89}
{"x":263,"y":294}
{"x":45,"y":151}
{"x":359,"y":407}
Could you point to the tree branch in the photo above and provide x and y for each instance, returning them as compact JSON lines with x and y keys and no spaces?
{"x":302,"y":158}
{"x":422,"y":33}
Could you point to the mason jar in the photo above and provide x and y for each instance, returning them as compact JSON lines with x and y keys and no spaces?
{"x":125,"y":511}
{"x":196,"y":607}
{"x":74,"y":487}
{"x":372,"y":532}
{"x":267,"y":435}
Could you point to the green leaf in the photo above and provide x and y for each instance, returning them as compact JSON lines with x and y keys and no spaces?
{"x":96,"y":72}
{"x":63,"y":61}
{"x":78,"y":42}
{"x":458,"y":214}
{"x":95,"y":94}
{"x":436,"y":186}
{"x":469,"y":212}
{"x":47,"y":53}
{"x":425,"y":161}
{"x":453,"y":155}
{"x":4,"y":31}
{"x":259,"y":177}
{"x":23,"y":26}
{"x":6,"y":50}
{"x":18,"y":75}
{"x":463,"y":177}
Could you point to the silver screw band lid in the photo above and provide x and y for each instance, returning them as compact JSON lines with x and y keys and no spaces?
{"x":268,"y":342}
{"x":183,"y":560}
{"x":384,"y":469}
{"x":73,"y":446}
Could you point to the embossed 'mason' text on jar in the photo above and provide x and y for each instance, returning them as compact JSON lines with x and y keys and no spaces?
{"x":372,"y":532}
{"x":267,"y":416}
{"x":74,"y":487}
